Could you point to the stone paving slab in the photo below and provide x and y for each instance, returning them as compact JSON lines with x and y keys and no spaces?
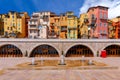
{"x":66,"y":74}
{"x":61,"y":75}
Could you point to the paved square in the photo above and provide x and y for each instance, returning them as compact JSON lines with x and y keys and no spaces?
{"x":65,"y":74}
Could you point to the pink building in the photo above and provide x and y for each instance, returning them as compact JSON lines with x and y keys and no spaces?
{"x":98,"y":17}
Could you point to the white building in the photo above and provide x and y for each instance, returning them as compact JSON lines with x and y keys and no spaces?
{"x":39,"y":25}
{"x":43,"y":31}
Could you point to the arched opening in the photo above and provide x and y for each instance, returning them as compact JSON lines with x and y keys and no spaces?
{"x":10,"y":51}
{"x":78,"y":51}
{"x":44,"y":51}
{"x":113,"y":51}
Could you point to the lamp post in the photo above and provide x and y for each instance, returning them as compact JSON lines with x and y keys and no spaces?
{"x":89,"y":31}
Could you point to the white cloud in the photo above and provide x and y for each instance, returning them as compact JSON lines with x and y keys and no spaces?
{"x":114,"y":6}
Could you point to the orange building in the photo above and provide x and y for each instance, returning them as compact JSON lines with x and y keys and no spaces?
{"x":111,"y":30}
{"x":1,"y":25}
{"x":63,"y":26}
{"x":116,"y":24}
{"x":54,"y":26}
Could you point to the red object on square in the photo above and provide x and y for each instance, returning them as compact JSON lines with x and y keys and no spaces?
{"x":103,"y":54}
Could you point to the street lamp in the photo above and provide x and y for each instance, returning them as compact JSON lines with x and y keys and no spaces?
{"x":89,"y":31}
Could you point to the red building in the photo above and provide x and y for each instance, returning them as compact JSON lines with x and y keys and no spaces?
{"x":98,"y":17}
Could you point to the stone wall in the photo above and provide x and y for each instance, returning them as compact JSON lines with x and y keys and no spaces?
{"x":27,"y":45}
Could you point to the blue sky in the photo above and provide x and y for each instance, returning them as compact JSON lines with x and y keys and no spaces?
{"x":57,"y":6}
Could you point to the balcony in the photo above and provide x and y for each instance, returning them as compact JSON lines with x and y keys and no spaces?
{"x":103,"y":18}
{"x":34,"y":19}
{"x":32,"y":24}
{"x":63,"y":29}
{"x":86,"y":20}
{"x":33,"y":27}
{"x":93,"y":21}
{"x":70,"y":16}
{"x":103,"y":33}
{"x":35,"y":16}
{"x":72,"y":28}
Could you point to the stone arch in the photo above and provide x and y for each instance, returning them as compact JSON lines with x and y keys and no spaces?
{"x":10,"y":50}
{"x":85,"y":45}
{"x":112,"y":50}
{"x":106,"y":45}
{"x":44,"y":49}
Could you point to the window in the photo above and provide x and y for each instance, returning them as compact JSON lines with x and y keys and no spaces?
{"x":12,"y":16}
{"x":100,"y":31}
{"x":104,"y":24}
{"x":11,"y":28}
{"x":8,"y":28}
{"x":104,"y":31}
{"x":92,"y":16}
{"x":100,"y":15}
{"x":105,"y":16}
{"x":30,"y":31}
{"x":19,"y":24}
{"x":13,"y":24}
{"x":100,"y":24}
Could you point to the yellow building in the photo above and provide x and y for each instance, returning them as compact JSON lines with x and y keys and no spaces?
{"x":72,"y":25}
{"x":83,"y":26}
{"x":16,"y":24}
{"x":63,"y":26}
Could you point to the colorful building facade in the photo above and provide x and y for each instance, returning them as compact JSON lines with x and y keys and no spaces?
{"x":111,"y":29}
{"x":16,"y":25}
{"x":2,"y":25}
{"x":63,"y":26}
{"x":116,"y":24}
{"x":72,"y":25}
{"x":54,"y":26}
{"x":83,"y":26}
{"x":98,"y":17}
{"x":39,"y":25}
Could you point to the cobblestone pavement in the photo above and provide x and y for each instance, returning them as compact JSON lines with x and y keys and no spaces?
{"x":61,"y":75}
{"x":68,"y":74}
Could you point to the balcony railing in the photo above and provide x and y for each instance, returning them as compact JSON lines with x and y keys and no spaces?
{"x":104,"y":18}
{"x":103,"y":33}
{"x":33,"y":27}
{"x":72,"y":28}
{"x":63,"y":29}
{"x":93,"y":21}
{"x":32,"y":24}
